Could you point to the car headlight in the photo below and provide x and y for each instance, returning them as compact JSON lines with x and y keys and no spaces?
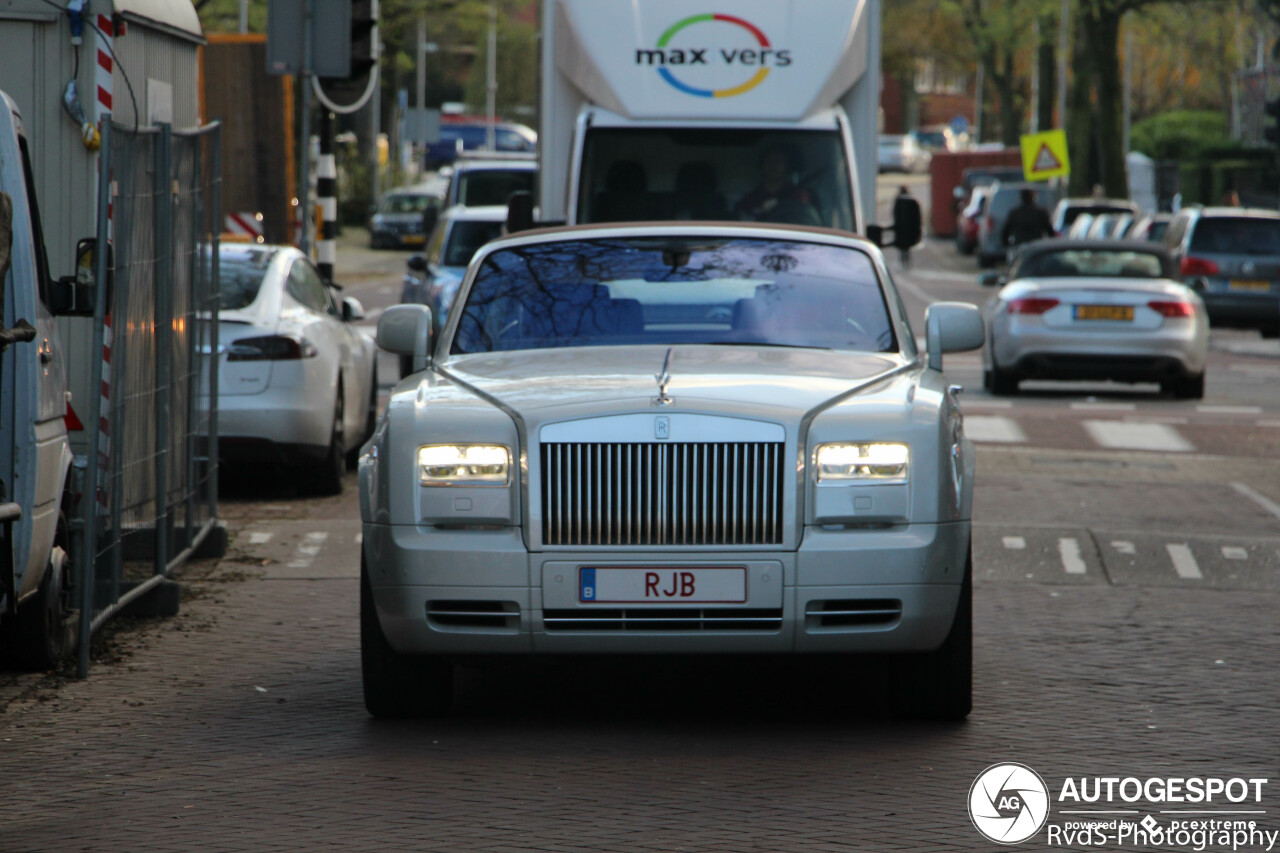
{"x":861,"y":462}
{"x":464,"y":465}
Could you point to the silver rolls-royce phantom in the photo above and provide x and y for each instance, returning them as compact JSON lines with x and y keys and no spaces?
{"x":669,"y":439}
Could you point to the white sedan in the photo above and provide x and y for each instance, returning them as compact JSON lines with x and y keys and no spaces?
{"x":670,"y":439}
{"x":1095,"y":310}
{"x":297,"y":382}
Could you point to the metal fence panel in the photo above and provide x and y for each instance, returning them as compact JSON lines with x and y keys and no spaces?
{"x":156,"y":491}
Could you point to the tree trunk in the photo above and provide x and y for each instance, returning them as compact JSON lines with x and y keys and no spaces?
{"x":1007,"y":94}
{"x":1104,"y":43}
{"x":1079,"y":118}
{"x":1048,"y":74}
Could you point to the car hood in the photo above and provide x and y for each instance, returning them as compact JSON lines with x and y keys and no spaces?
{"x":744,"y":381}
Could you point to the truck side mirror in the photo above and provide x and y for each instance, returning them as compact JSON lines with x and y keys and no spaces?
{"x":76,"y":295}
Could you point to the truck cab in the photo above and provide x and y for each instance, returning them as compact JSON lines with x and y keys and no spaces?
{"x":764,"y":111}
{"x":35,"y":457}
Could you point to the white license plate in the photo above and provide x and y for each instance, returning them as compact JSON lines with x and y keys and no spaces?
{"x":662,"y":585}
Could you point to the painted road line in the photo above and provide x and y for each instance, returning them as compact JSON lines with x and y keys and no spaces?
{"x":1014,"y":543}
{"x":1184,"y":562}
{"x":1234,"y":552}
{"x":257,"y":537}
{"x":359,"y":540}
{"x":1171,"y":420}
{"x":1267,"y":423}
{"x":993,"y":428}
{"x":308,"y":549}
{"x":940,"y":275}
{"x":1123,"y":435}
{"x":987,"y":403}
{"x":1069,"y":551}
{"x":1123,"y":547}
{"x":1104,"y":407}
{"x":1261,"y":500}
{"x":1229,"y":410}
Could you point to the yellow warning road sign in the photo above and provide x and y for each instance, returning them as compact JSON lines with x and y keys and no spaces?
{"x":1044,"y":155}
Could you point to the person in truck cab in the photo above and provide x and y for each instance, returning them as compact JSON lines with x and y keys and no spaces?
{"x":777,"y":197}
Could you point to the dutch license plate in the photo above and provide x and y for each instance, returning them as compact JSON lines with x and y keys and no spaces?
{"x":413,"y":240}
{"x":1104,"y":312}
{"x":664,"y":585}
{"x":1248,"y":284}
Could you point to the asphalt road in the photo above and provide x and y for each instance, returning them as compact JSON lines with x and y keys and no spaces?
{"x":1127,"y":577}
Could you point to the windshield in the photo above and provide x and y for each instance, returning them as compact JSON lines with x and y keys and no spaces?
{"x":1236,"y":235}
{"x":1091,"y":262}
{"x":666,"y":291}
{"x":405,"y":203}
{"x":240,"y":275}
{"x":478,"y":188}
{"x":466,"y":238}
{"x":797,"y":177}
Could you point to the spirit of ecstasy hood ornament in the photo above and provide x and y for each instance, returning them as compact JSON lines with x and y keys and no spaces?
{"x":663,"y":378}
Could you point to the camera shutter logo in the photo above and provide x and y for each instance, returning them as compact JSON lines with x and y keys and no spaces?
{"x":1008,"y":803}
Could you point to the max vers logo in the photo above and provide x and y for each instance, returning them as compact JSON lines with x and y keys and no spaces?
{"x":692,"y":60}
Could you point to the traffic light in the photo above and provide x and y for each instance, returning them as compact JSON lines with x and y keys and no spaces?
{"x":364,"y":34}
{"x":354,"y":46}
{"x":1271,"y":124}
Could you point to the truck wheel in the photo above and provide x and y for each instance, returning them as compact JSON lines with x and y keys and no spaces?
{"x":939,"y":685}
{"x":397,"y":685}
{"x":328,"y":476}
{"x":39,"y":629}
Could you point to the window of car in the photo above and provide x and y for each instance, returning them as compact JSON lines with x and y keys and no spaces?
{"x":407,"y":203}
{"x":240,"y":275}
{"x":510,"y":140}
{"x":1089,"y":262}
{"x":1236,"y":235}
{"x":306,"y":286}
{"x":665,"y":290}
{"x":465,"y":239}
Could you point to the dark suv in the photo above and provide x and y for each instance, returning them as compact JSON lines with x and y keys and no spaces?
{"x":1231,"y":257}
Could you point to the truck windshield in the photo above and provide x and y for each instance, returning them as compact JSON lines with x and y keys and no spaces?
{"x":796,"y":177}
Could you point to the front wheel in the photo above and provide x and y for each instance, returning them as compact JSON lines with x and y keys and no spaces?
{"x":938,"y":685}
{"x":38,"y":637}
{"x":397,"y":685}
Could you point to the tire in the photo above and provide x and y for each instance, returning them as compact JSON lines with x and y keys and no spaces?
{"x":1185,"y":388}
{"x":328,"y":476}
{"x":1270,"y":331}
{"x":397,"y":685}
{"x":370,"y":421}
{"x":38,"y":635}
{"x":938,"y":685}
{"x":999,"y":382}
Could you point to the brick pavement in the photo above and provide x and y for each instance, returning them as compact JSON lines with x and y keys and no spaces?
{"x":238,"y":725}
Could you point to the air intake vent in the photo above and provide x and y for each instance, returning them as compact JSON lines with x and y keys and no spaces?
{"x":474,"y":614}
{"x":735,"y":619}
{"x":853,"y":613}
{"x":662,"y":494}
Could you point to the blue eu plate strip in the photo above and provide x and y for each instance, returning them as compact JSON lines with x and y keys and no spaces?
{"x":587,"y":584}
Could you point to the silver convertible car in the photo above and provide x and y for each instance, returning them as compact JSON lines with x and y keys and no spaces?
{"x":1095,"y":310}
{"x":670,"y":439}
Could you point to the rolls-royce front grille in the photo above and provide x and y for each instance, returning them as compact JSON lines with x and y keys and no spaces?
{"x":684,"y":493}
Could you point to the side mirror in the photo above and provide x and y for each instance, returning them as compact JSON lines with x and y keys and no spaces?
{"x":991,"y":279}
{"x":76,"y":295}
{"x":352,"y":310}
{"x":875,"y":233}
{"x":519,"y":212}
{"x":417,"y":263}
{"x":406,"y":330}
{"x":952,"y":327}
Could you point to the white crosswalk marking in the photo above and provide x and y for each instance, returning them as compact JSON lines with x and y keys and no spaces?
{"x":1184,"y":562}
{"x":1123,"y":547}
{"x":993,"y":428}
{"x":1072,"y":562}
{"x":1014,"y":543}
{"x":1232,"y":552}
{"x":1103,"y":407}
{"x":1124,"y":435}
{"x":260,"y":538}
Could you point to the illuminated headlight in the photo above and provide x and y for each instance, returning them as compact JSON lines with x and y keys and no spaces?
{"x":464,"y":465}
{"x":846,"y":463}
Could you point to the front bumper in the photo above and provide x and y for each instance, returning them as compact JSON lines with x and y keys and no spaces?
{"x":480,"y":592}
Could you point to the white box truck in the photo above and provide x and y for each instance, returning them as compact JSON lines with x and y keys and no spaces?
{"x":761,"y":110}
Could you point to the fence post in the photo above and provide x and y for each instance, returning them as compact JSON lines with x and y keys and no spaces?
{"x":88,"y":575}
{"x":163,"y":318}
{"x":214,"y":335}
{"x":192,"y":383}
